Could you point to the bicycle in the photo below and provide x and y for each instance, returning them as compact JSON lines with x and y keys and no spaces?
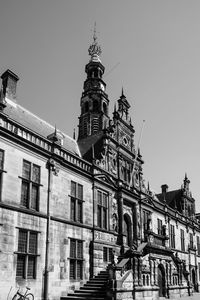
{"x":25,"y":296}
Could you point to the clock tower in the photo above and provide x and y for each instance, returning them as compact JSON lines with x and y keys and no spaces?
{"x":94,"y":100}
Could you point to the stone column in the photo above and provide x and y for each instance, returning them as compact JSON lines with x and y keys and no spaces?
{"x":156,"y":273}
{"x":170,"y":274}
{"x":121,"y":217}
{"x":136,"y":270}
{"x":152,"y":272}
{"x":140,"y":271}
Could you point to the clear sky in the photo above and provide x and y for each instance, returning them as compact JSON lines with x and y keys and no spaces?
{"x":150,"y":47}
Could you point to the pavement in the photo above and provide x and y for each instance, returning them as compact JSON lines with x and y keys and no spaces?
{"x":195,"y":296}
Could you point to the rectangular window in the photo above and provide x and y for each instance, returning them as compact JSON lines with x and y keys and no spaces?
{"x":107,"y":254}
{"x":146,"y":220}
{"x":160,"y":228}
{"x":191,"y":241}
{"x":76,"y":259}
{"x":76,"y":211}
{"x":102,"y":209}
{"x":171,"y":236}
{"x":182,"y":233}
{"x":1,"y":159}
{"x":30,"y":185}
{"x":26,"y":254}
{"x":1,"y":169}
{"x":198,"y":246}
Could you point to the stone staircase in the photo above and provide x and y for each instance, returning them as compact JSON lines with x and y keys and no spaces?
{"x":94,"y":289}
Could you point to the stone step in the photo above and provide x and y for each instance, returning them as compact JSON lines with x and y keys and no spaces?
{"x":81,"y":298}
{"x":86,"y":295}
{"x":90,"y":291}
{"x":92,"y":287}
{"x":93,"y":283}
{"x":98,"y":280}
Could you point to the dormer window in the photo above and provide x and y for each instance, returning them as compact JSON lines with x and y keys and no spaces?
{"x":57,"y":137}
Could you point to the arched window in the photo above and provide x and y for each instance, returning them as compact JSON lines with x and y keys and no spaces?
{"x":143,"y":279}
{"x":147,"y":279}
{"x":95,"y":106}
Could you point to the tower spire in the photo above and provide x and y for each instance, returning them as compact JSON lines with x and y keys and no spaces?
{"x":95,"y":32}
{"x":95,"y":49}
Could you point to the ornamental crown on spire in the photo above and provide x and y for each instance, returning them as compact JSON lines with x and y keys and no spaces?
{"x":94,"y":49}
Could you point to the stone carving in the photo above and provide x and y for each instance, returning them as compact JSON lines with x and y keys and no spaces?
{"x":114,"y":222}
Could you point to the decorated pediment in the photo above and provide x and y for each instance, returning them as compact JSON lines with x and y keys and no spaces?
{"x":105,"y":178}
{"x":148,"y":200}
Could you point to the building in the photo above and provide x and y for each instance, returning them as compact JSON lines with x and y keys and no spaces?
{"x":77,"y":211}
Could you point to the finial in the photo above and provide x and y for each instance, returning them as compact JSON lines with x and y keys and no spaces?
{"x":74,"y":134}
{"x":122,"y":95}
{"x":55,"y":137}
{"x":148,"y":186}
{"x":139,"y":154}
{"x":186,"y":176}
{"x":115,"y":109}
{"x":94,"y":49}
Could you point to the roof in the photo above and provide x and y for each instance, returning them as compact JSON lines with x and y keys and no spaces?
{"x":34,"y":123}
{"x":170,"y":196}
{"x":85,"y":144}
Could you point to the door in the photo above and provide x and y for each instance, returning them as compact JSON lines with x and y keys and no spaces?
{"x":161,"y":281}
{"x":194,"y":281}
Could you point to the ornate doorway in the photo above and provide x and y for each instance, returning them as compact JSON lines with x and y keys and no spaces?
{"x":127,"y":230}
{"x":161,"y":280}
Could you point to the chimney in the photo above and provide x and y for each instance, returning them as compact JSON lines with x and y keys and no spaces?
{"x":164,"y":188}
{"x":9,"y":83}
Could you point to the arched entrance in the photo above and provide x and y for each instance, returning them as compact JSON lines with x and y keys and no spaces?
{"x":161,"y":281}
{"x":127,"y":230}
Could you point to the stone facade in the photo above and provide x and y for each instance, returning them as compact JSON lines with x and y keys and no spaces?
{"x":70,"y":209}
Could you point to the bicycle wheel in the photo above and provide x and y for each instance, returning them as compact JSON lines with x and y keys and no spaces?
{"x":29,"y":297}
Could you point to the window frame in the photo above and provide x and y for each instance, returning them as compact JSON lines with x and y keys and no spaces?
{"x":76,"y":259}
{"x":146,"y":216}
{"x":172,"y":236}
{"x":198,"y":245}
{"x":182,"y":236}
{"x":31,"y":184}
{"x":2,"y":162}
{"x":76,"y":214}
{"x":160,"y":226}
{"x":191,"y":241}
{"x":102,"y":209}
{"x":107,"y":254}
{"x":27,"y":254}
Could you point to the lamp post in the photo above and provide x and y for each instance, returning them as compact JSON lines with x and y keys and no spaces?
{"x":52,"y":170}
